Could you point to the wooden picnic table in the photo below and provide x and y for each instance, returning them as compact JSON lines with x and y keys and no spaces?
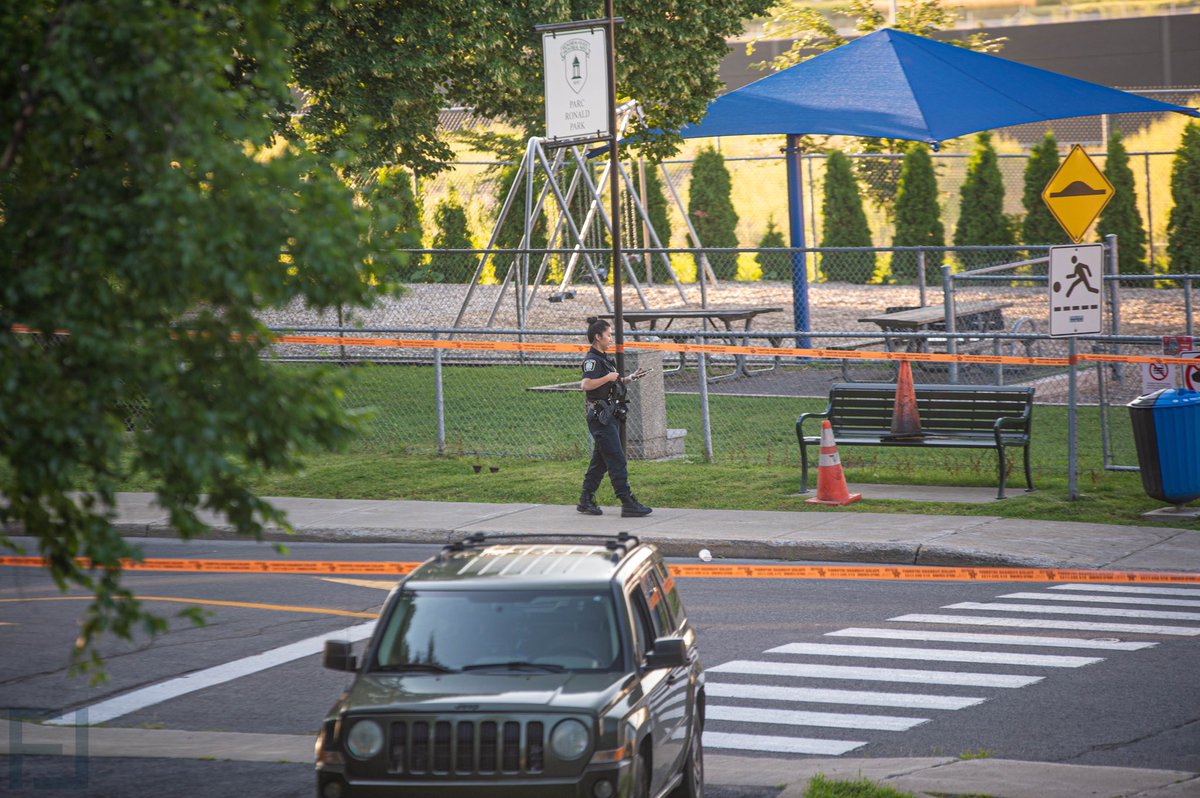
{"x":718,"y":317}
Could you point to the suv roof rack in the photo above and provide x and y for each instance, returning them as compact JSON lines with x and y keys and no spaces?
{"x":619,"y":544}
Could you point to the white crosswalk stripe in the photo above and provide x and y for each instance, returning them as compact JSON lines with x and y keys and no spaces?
{"x":758,"y":668}
{"x":865,"y":698}
{"x":1144,"y":589}
{"x":826,"y":720}
{"x":935,"y":654}
{"x":1045,"y":623}
{"x":1110,"y":612}
{"x":989,"y":639}
{"x":1161,"y":602}
{"x":781,"y":745}
{"x":736,"y":709}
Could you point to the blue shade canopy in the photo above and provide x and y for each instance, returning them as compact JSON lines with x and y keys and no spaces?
{"x":890,"y":84}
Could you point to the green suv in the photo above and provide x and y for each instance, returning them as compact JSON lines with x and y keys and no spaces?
{"x":508,"y":668}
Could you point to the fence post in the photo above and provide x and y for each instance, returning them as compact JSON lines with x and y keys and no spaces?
{"x":920,"y":275}
{"x":705,"y":416}
{"x":1113,"y":268}
{"x":1072,"y":443}
{"x":1149,"y":207}
{"x":439,"y":399}
{"x":948,"y":303}
{"x":1187,"y":302}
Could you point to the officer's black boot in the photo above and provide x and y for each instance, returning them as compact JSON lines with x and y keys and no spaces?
{"x":587,"y":504}
{"x":632,"y":508}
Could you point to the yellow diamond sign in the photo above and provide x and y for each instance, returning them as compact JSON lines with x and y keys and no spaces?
{"x":1077,"y":193}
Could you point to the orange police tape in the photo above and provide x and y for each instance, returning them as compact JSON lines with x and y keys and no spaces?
{"x":719,"y":349}
{"x":708,"y":570}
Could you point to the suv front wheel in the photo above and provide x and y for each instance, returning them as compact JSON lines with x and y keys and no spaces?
{"x":692,"y":785}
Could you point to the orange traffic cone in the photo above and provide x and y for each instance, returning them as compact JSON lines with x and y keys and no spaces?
{"x":906,"y":421}
{"x":831,"y":482}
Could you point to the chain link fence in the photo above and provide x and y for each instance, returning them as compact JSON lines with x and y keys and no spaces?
{"x":759,"y":190}
{"x":480,"y":402}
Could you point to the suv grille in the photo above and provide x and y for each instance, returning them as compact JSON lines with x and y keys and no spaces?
{"x":444,"y":747}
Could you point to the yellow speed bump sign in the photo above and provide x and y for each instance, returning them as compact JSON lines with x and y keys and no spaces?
{"x":1077,"y":193}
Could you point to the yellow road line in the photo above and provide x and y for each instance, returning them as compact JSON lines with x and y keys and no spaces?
{"x":372,"y":583}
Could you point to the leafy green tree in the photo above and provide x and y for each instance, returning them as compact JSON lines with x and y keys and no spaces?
{"x":918,"y":218}
{"x":656,"y":209}
{"x":844,"y":224}
{"x":711,"y":210}
{"x":1120,"y":216}
{"x":981,"y":218}
{"x":375,"y":74}
{"x":395,"y":186}
{"x":1039,"y":225}
{"x":1183,"y":225}
{"x":453,"y":233}
{"x":774,"y":265}
{"x":143,"y":229}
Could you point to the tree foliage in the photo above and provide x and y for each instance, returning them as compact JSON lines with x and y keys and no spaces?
{"x":660,"y":220}
{"x":710,"y":208}
{"x":918,"y":218}
{"x":1120,"y":216}
{"x":844,"y":224}
{"x":1183,"y":225}
{"x":453,"y":232}
{"x":143,"y":227}
{"x":773,"y":265}
{"x":376,"y":73}
{"x":981,"y":219}
{"x":1039,"y":225}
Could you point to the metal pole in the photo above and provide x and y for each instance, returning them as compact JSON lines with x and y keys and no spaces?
{"x":920,"y":275}
{"x":1149,"y":207}
{"x":615,"y":191}
{"x":610,"y":65}
{"x":1114,"y":297}
{"x":439,"y":399}
{"x":948,"y":304}
{"x":799,"y":248}
{"x":1072,"y":442}
{"x":705,"y":415}
{"x":1187,"y":302}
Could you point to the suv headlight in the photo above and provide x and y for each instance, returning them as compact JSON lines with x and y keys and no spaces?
{"x":569,"y":740}
{"x":365,"y":739}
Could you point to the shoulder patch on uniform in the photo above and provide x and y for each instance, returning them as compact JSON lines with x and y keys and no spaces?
{"x":589,"y":364}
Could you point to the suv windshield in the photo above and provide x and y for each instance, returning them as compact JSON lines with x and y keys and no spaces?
{"x":441,"y":631}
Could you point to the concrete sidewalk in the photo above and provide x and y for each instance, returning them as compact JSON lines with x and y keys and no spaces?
{"x":966,"y":540}
{"x":926,"y":776}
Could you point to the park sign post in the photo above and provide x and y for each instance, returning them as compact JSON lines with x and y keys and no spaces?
{"x":576,"y":80}
{"x":1077,"y":193}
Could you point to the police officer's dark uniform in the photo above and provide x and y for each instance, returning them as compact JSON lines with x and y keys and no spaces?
{"x":604,"y":420}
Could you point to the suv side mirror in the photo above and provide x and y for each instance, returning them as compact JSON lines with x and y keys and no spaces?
{"x":668,"y":652}
{"x":338,"y":656}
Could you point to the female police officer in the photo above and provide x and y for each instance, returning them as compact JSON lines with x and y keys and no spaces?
{"x":600,"y":385}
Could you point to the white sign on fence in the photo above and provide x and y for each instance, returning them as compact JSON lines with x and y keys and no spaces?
{"x":1156,"y":376}
{"x":576,"y":76}
{"x":1076,"y":284}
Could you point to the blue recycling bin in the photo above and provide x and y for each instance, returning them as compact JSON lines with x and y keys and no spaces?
{"x":1166,"y":431}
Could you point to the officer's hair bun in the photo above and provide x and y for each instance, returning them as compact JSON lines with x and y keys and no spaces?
{"x":592,"y":319}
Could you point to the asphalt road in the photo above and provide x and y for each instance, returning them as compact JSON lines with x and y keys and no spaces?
{"x":1135,"y":708}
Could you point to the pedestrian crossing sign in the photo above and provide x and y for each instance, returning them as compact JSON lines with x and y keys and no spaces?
{"x":1077,"y":193}
{"x":1076,"y":289}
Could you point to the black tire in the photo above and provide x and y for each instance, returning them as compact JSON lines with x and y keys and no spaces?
{"x":642,"y":788}
{"x":692,"y":785}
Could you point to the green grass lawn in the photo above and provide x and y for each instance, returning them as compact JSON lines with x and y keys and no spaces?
{"x":539,"y":443}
